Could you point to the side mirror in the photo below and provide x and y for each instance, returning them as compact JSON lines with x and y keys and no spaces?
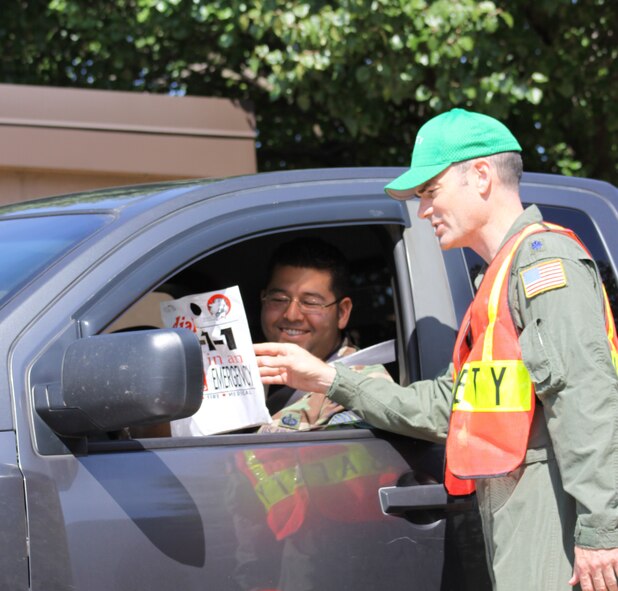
{"x":127,"y":379}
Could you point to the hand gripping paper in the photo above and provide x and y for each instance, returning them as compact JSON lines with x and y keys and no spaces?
{"x":233,"y":393}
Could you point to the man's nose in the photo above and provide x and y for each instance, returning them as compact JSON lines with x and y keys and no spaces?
{"x":293,"y":312}
{"x":424,"y":208}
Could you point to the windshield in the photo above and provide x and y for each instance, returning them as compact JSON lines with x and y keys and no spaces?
{"x":29,"y":245}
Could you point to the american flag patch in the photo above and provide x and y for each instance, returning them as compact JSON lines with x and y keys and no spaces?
{"x":543,"y":277}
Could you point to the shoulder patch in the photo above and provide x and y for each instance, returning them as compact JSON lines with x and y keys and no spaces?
{"x":543,"y":277}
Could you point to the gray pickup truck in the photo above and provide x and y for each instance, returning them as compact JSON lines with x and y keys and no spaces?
{"x":88,"y":503}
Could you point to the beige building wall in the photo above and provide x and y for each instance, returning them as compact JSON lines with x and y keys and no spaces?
{"x":59,"y":140}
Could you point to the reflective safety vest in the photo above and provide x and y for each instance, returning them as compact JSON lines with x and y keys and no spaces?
{"x":493,"y":394}
{"x":339,"y":482}
{"x":277,"y":481}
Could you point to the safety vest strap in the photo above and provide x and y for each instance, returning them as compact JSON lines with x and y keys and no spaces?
{"x":610,"y":325}
{"x":498,"y":293}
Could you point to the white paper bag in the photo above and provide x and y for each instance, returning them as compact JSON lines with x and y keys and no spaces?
{"x":233,"y":393}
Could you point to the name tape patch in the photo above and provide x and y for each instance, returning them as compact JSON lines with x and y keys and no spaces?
{"x":543,"y":277}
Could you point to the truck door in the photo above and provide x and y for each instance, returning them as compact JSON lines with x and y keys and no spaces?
{"x":331,"y":509}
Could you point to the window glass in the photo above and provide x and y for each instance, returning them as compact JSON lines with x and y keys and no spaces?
{"x":28,"y":245}
{"x":582,"y":225}
{"x":245,"y":264}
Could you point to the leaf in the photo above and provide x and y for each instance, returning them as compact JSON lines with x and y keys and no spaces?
{"x":362,"y":68}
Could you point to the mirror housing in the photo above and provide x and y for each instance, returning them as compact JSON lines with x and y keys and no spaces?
{"x":126,"y":379}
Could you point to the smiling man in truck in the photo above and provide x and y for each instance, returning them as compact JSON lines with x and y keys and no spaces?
{"x":306,"y":302}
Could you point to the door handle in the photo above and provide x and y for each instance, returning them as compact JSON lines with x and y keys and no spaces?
{"x":396,"y":500}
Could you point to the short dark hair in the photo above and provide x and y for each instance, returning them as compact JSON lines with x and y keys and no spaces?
{"x":313,"y":253}
{"x":509,"y":167}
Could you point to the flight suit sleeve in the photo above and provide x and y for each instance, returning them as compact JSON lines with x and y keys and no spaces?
{"x":420,"y":410}
{"x":565,"y":348}
{"x":314,"y":409}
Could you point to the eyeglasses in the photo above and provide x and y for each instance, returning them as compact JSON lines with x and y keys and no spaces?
{"x":276,"y":301}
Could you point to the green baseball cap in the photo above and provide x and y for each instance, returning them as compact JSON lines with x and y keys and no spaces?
{"x":451,"y":137}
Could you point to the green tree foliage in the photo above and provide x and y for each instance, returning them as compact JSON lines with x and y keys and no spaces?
{"x":346,"y":82}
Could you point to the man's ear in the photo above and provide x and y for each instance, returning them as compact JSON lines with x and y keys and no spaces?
{"x":484,"y":171}
{"x":344,"y":309}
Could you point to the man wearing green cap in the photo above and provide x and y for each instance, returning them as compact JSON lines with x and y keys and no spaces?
{"x":529,"y":407}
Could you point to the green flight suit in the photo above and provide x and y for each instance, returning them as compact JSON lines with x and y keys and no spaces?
{"x":566,"y":492}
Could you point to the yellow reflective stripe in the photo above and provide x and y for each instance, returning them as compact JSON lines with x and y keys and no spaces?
{"x":273,"y":488}
{"x":611,"y":329}
{"x":492,"y":308}
{"x":610,"y":318}
{"x":340,"y":468}
{"x":494,"y":297}
{"x":497,"y":386}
